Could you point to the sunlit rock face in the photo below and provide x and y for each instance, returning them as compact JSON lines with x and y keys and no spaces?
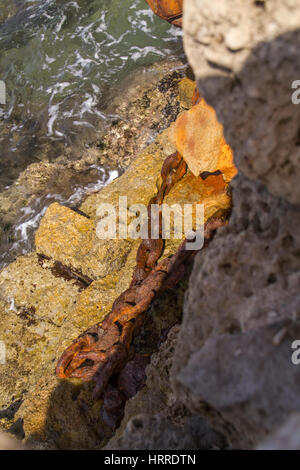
{"x":245,"y":56}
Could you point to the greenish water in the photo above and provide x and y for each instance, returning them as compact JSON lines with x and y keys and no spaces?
{"x":59,"y":60}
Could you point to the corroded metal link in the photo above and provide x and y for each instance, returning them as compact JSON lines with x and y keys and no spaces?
{"x":170,"y":10}
{"x":104,"y":349}
{"x":150,"y":249}
{"x":173,"y":169}
{"x":111,"y":348}
{"x":86,"y":355}
{"x":196,"y":98}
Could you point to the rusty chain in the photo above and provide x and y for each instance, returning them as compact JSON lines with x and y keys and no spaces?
{"x":169,"y":10}
{"x":103,"y":350}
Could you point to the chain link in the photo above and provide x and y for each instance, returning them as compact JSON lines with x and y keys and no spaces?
{"x":103,"y":350}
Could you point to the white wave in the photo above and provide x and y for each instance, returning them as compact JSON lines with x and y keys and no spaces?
{"x":53,"y":113}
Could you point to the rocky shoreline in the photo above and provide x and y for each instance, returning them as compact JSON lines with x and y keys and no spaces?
{"x":50,"y":296}
{"x":145,"y":104}
{"x":223,"y":376}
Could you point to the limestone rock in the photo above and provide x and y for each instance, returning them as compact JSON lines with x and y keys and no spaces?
{"x":245,"y":58}
{"x":29,"y":288}
{"x":138,"y":184}
{"x":241,"y":288}
{"x":74,"y":243}
{"x":95,"y":302}
{"x":152,"y":432}
{"x":33,"y":305}
{"x":186,"y":89}
{"x":172,"y":426}
{"x":286,"y":437}
{"x":212,"y":192}
{"x":51,"y":296}
{"x":61,"y":415}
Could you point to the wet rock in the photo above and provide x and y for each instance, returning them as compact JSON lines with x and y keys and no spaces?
{"x":136,"y":184}
{"x":140,"y":105}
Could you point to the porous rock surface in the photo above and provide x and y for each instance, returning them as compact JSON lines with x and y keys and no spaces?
{"x":245,"y":55}
{"x":241,"y":311}
{"x":286,"y":437}
{"x":231,"y":364}
{"x":156,"y":420}
{"x":241,"y":315}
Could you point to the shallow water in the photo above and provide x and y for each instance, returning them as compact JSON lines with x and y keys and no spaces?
{"x":59,"y":60}
{"x":21,"y":236}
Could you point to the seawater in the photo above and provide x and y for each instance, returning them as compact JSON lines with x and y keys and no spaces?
{"x":60,"y":60}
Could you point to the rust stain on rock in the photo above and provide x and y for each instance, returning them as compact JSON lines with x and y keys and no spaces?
{"x":170,"y":10}
{"x":199,"y":138}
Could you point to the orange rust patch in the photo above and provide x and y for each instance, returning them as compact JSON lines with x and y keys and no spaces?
{"x":167,"y":9}
{"x":199,"y":138}
{"x":226,"y":164}
{"x":196,"y":97}
{"x":215,"y":183}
